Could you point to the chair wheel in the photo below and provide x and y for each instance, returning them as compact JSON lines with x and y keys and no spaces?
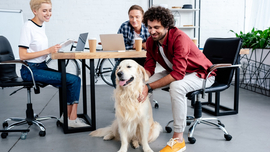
{"x":190,"y":118}
{"x":192,"y":140}
{"x":58,"y":123}
{"x":23,"y":135}
{"x":5,"y":124}
{"x":36,"y":116}
{"x":168,"y":129}
{"x":4,"y":135}
{"x":227,"y":137}
{"x":156,"y":105}
{"x":42,"y":133}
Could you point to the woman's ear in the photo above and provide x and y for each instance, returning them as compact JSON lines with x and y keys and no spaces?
{"x":35,"y":12}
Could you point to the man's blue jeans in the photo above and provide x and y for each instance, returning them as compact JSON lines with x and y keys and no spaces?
{"x":46,"y":75}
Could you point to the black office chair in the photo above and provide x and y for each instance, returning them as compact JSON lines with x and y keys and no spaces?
{"x":9,"y":78}
{"x":224,"y":54}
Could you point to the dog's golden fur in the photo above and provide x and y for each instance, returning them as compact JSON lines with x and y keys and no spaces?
{"x":134,"y":120}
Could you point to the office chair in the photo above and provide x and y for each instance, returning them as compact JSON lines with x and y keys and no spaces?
{"x":9,"y":78}
{"x":224,"y":54}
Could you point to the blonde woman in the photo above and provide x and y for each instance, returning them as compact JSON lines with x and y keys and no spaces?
{"x":33,"y":49}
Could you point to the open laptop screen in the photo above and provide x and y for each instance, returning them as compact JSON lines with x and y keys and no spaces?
{"x":81,"y":42}
{"x":112,"y":42}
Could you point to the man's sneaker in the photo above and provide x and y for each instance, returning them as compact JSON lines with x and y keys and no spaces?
{"x":77,"y":123}
{"x":174,"y":146}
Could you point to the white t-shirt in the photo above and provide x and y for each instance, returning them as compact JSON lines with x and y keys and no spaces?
{"x":33,"y":38}
{"x":136,"y":35}
{"x":167,"y":61}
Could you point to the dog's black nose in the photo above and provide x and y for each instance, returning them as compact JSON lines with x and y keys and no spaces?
{"x":119,"y":74}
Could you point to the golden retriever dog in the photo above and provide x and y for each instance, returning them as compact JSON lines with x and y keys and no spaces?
{"x":134,"y":120}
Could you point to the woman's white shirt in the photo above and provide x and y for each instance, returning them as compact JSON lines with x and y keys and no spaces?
{"x":33,"y":37}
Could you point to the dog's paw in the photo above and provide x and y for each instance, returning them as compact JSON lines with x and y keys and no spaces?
{"x":135,"y":144}
{"x":108,"y":137}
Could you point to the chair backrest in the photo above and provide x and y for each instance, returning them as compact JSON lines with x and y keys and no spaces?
{"x":223,"y":50}
{"x":7,"y":72}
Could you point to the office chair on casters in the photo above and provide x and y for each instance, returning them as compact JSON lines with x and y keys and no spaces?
{"x":9,"y":78}
{"x":224,"y":54}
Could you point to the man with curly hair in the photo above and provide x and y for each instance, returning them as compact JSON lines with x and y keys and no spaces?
{"x":185,"y":68}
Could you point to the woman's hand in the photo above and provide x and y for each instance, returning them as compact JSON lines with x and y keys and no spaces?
{"x":54,"y":49}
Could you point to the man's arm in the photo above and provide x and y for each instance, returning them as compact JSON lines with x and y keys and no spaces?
{"x":162,"y":82}
{"x":154,"y":85}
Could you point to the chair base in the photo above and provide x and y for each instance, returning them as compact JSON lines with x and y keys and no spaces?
{"x":214,"y":107}
{"x":30,"y":119}
{"x":218,"y":110}
{"x":197,"y":121}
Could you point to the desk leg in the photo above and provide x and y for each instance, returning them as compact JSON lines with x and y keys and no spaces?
{"x":84,"y":88}
{"x":92,"y":88}
{"x":62,"y":93}
{"x":63,"y":100}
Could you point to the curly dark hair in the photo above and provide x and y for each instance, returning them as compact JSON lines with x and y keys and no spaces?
{"x":161,"y":14}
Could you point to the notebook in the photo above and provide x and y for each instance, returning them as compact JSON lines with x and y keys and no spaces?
{"x":112,"y":42}
{"x":80,"y":44}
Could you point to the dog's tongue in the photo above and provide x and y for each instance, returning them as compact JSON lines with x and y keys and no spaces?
{"x":121,"y":83}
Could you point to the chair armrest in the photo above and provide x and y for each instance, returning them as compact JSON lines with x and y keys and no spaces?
{"x":26,"y":65}
{"x":13,"y":62}
{"x":214,"y":67}
{"x":222,"y":65}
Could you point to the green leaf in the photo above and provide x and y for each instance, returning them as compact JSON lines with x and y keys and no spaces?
{"x":262,"y":43}
{"x":255,"y":38}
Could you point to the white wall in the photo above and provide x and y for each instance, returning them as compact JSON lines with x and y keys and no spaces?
{"x":217,"y":16}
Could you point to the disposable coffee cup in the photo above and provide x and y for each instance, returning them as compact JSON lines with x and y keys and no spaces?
{"x":138,"y":44}
{"x":92,"y":44}
{"x":195,"y":41}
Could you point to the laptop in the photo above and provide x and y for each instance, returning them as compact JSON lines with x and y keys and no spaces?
{"x":112,"y":42}
{"x":80,"y":43}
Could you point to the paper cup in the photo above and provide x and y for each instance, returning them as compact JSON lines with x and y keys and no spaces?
{"x":195,"y":41}
{"x":138,"y":44}
{"x":92,"y":44}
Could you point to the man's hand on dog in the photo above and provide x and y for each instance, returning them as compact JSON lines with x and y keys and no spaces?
{"x":144,"y":94}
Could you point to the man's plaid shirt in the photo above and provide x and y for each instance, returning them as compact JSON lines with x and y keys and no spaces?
{"x":128,"y":32}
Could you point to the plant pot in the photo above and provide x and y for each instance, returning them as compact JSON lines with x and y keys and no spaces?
{"x":255,"y":71}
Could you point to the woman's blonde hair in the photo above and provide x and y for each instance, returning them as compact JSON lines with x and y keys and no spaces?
{"x":36,"y":4}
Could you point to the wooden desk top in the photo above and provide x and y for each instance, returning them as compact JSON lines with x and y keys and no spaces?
{"x":98,"y":55}
{"x":104,"y":54}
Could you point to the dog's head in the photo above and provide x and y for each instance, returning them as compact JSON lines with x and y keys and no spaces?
{"x":130,"y":72}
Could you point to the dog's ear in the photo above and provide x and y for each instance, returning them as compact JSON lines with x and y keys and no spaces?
{"x":116,"y":79}
{"x":145,"y":75}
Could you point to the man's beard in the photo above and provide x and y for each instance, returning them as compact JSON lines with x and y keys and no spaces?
{"x":159,"y":38}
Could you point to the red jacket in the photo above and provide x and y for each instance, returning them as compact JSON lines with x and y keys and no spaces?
{"x":181,"y":52}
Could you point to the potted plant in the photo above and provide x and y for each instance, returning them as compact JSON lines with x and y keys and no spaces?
{"x":255,"y":39}
{"x":255,"y":65}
